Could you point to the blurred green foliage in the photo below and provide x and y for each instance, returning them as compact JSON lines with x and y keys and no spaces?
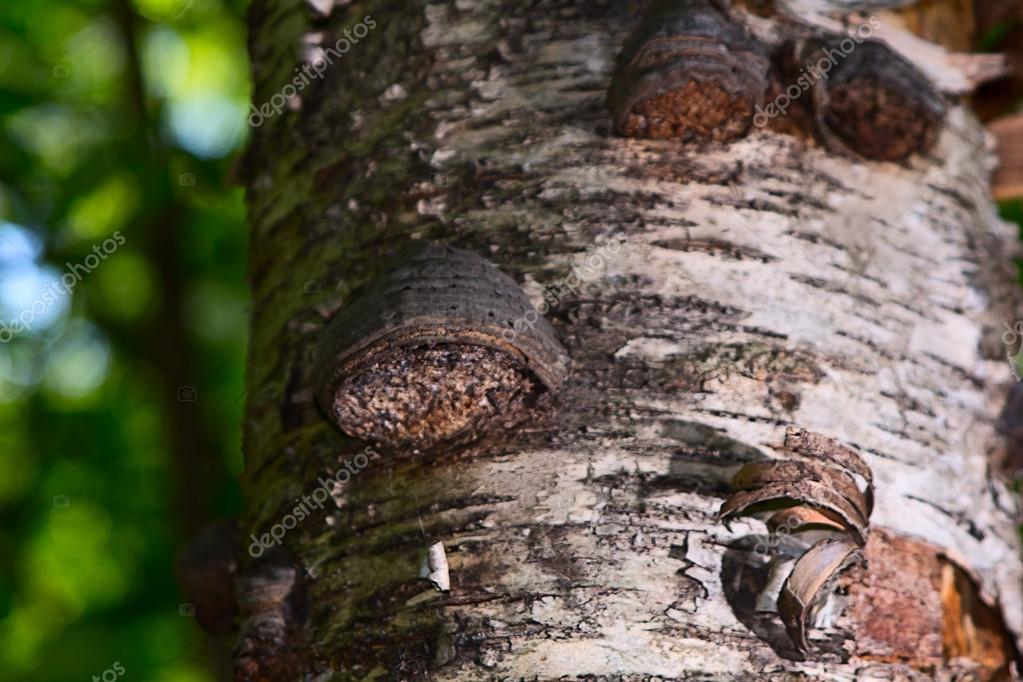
{"x":121,"y":390}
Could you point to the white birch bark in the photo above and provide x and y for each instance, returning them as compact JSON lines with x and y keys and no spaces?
{"x":758,"y":285}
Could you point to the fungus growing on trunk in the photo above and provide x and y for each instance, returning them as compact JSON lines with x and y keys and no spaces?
{"x":874,"y":104}
{"x":688,"y":72}
{"x":434,"y":351}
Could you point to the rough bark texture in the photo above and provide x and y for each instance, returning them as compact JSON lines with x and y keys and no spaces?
{"x":758,"y":285}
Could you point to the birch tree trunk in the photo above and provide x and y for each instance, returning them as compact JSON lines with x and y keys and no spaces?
{"x":721,"y":294}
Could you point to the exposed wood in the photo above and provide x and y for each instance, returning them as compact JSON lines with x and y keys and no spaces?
{"x":911,"y":604}
{"x":1008,"y":177}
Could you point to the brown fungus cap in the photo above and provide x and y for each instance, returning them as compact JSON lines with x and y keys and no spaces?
{"x":874,"y":104}
{"x":688,"y":72}
{"x":435,"y":350}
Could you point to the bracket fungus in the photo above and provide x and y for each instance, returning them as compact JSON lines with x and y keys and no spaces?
{"x":826,"y":486}
{"x":688,"y":71}
{"x":434,"y":351}
{"x":874,"y":104}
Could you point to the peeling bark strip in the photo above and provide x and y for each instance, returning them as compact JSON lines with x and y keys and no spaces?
{"x":688,"y":72}
{"x":799,"y":518}
{"x":430,"y":353}
{"x":810,"y":582}
{"x":435,"y":567}
{"x":802,"y":443}
{"x":827,"y":484}
{"x":823,"y":498}
{"x":825,"y":487}
{"x":758,"y":474}
{"x":875,"y":104}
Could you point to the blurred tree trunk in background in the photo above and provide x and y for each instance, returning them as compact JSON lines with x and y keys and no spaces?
{"x":759,"y":285}
{"x":194,"y":463}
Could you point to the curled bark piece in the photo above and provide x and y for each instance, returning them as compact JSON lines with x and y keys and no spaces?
{"x":758,"y":474}
{"x":798,"y":518}
{"x":434,"y":350}
{"x":810,"y":444}
{"x":808,"y":492}
{"x":435,"y":567}
{"x":809,"y":584}
{"x":874,"y":104}
{"x":688,"y":72}
{"x":978,"y":69}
